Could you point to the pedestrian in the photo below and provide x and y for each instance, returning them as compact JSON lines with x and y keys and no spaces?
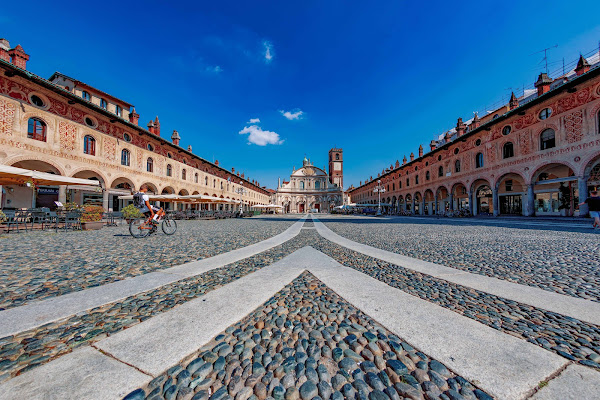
{"x":593,"y":203}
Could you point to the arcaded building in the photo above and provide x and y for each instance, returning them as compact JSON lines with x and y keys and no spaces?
{"x":312,"y":188}
{"x":537,"y":155}
{"x":64,"y":126}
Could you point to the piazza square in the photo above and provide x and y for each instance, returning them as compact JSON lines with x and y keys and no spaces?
{"x":283,"y":232}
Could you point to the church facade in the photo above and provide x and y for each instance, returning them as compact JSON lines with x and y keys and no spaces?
{"x":312,"y":189}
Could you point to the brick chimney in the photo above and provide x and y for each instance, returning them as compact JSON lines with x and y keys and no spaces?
{"x":404,"y":160}
{"x":217,"y":164}
{"x":432,"y":145}
{"x":543,"y":83}
{"x":151,"y":127}
{"x":513,"y":103}
{"x":421,"y":150}
{"x":582,"y":66}
{"x":134,"y":117}
{"x":447,"y":137}
{"x":397,"y":163}
{"x":18,"y":57}
{"x":4,"y":48}
{"x":175,"y":138}
{"x":460,"y":127}
{"x":475,"y":123}
{"x":233,"y":170}
{"x":412,"y":156}
{"x":190,"y":148}
{"x":156,"y":126}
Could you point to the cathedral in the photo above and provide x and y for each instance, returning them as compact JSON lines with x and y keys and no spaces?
{"x":312,"y":189}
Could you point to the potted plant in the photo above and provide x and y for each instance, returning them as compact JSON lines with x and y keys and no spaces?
{"x":2,"y":217}
{"x":91,"y":217}
{"x":131,"y":212}
{"x":565,"y":199}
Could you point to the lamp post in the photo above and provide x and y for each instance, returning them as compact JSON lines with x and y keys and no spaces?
{"x":241,"y":191}
{"x":379,"y":189}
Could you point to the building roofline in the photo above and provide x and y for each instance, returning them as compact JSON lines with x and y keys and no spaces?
{"x":112,"y":117}
{"x":77,"y":81}
{"x":592,"y":73}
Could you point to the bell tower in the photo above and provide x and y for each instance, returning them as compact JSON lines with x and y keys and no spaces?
{"x":336,"y":167}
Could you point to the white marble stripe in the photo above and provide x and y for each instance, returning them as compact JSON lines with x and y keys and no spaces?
{"x":574,"y":307}
{"x":29,"y":316}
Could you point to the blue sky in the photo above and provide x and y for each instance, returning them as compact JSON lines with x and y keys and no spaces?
{"x":375,"y":78}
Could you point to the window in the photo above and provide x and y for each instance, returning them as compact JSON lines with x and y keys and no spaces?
{"x":427,"y":163}
{"x":125,"y":157}
{"x":427,"y":175}
{"x":400,"y":185}
{"x":337,"y":157}
{"x":479,"y":160}
{"x":89,"y":145}
{"x":150,"y":147}
{"x":221,"y":185}
{"x":89,"y":121}
{"x":417,"y":180}
{"x":441,"y":171}
{"x":545,"y":113}
{"x":169,"y":170}
{"x":301,"y":184}
{"x":119,"y":111}
{"x":150,"y":165}
{"x":183,"y":174}
{"x":547,"y":140}
{"x":393,"y":186}
{"x":196,"y":177}
{"x":37,"y":101}
{"x":457,"y":166}
{"x":508,"y":150}
{"x":495,"y":116}
{"x":169,"y":155}
{"x":214,"y":183}
{"x":440,"y":157}
{"x":478,"y":142}
{"x":317,"y":185}
{"x":36,"y":129}
{"x":456,"y":150}
{"x":127,"y":137}
{"x":407,"y":182}
{"x":103,"y":103}
{"x":598,"y":118}
{"x":506,"y":130}
{"x":509,"y":185}
{"x":85,"y":95}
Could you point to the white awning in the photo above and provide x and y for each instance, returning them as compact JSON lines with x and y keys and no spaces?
{"x":19,"y":176}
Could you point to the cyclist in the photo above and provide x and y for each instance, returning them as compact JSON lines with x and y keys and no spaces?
{"x":142,"y":202}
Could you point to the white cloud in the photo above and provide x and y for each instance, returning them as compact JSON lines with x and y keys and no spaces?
{"x":254,"y":121}
{"x":269,"y":54}
{"x":296,"y":114}
{"x":259,"y":137}
{"x":216,"y":69}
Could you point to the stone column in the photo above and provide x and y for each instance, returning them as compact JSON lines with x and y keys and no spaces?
{"x":451,"y":200}
{"x":583,"y":195}
{"x":422,"y":207}
{"x":105,"y":199}
{"x":62,"y":194}
{"x":472,"y":207}
{"x":436,"y":211}
{"x":530,"y":202}
{"x":412,"y":205}
{"x":495,"y":202}
{"x":1,"y":197}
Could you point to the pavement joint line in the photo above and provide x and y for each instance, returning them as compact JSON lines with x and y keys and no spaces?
{"x":551,"y":377}
{"x":107,"y":354}
{"x":158,"y":343}
{"x":581,"y":309}
{"x":33,"y":315}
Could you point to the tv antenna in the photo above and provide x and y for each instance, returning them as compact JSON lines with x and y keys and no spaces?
{"x":545,"y":59}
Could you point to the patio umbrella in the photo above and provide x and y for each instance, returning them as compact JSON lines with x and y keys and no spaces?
{"x":19,"y":176}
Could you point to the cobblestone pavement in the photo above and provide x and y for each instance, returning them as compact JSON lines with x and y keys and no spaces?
{"x":573,"y":339}
{"x":39,"y":265}
{"x":559,"y":261}
{"x":308,"y":343}
{"x":26,"y":350}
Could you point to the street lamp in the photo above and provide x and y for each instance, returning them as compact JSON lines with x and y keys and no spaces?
{"x":241,"y":191}
{"x":379,"y":189}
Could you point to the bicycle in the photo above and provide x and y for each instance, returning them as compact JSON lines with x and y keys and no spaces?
{"x":140,"y":228}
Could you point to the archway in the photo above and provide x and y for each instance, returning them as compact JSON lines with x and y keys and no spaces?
{"x":483,"y":198}
{"x":511,"y":193}
{"x":429,"y":206}
{"x":442,"y":200}
{"x":167,"y":204}
{"x":408,"y":203}
{"x":92,"y":195}
{"x":460,"y":197}
{"x":22,"y":196}
{"x":120,"y":187}
{"x":555,"y":190}
{"x":417,"y":202}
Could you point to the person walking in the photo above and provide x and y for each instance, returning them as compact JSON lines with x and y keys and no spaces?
{"x":593,"y":203}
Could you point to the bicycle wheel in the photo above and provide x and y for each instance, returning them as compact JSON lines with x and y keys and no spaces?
{"x":138,"y":228}
{"x":169,"y":226}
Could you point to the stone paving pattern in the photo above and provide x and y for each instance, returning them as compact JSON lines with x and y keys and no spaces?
{"x":553,"y":260}
{"x":307,"y":343}
{"x":29,"y":349}
{"x":573,"y":339}
{"x":40,"y":265}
